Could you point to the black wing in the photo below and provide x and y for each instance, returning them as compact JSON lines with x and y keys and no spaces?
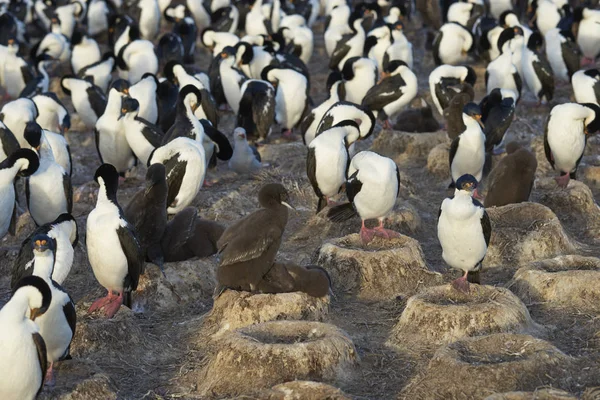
{"x":326,"y":123}
{"x":340,"y":51}
{"x":597,"y":90}
{"x":305,"y":124}
{"x":398,"y":177}
{"x":353,"y":186}
{"x":28,"y":75}
{"x":97,"y":99}
{"x":39,"y":343}
{"x":135,"y":261}
{"x":436,"y":48}
{"x":208,"y":104}
{"x":68,"y":190}
{"x":486,"y":225}
{"x":571,"y":54}
{"x":263,"y":109}
{"x":311,"y":171}
{"x":453,"y":150}
{"x":224,"y":149}
{"x":174,"y":171}
{"x":153,"y":134}
{"x":518,"y":82}
{"x":384,"y":93}
{"x":543,"y":70}
{"x":10,"y":144}
{"x":547,"y":149}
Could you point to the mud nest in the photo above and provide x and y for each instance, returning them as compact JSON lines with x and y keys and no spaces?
{"x":401,"y":146}
{"x":303,"y":390}
{"x":261,"y":356}
{"x":564,"y":282}
{"x":186,"y":281}
{"x":233,"y":310}
{"x":438,"y":162}
{"x":574,"y":205}
{"x":442,"y":314}
{"x":98,"y":387}
{"x":97,"y":335}
{"x":525,"y":232}
{"x":490,"y":364}
{"x":542,"y":394}
{"x":382,"y":270}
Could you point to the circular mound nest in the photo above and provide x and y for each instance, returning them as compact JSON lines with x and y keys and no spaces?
{"x":543,"y":394}
{"x":99,"y":336}
{"x":233,"y":310}
{"x":438,"y":162}
{"x":98,"y":387}
{"x":442,"y":314}
{"x":566,"y":281}
{"x":525,"y":232}
{"x":574,"y":205}
{"x":401,"y":146}
{"x":303,"y":390}
{"x":382,"y":270}
{"x":186,"y":282}
{"x":260,"y":356}
{"x":490,"y":364}
{"x":589,"y":171}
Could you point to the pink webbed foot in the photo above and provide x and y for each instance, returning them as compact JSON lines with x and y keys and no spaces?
{"x":366,"y":234}
{"x":461,"y":284}
{"x":387,"y":124}
{"x":563,"y":180}
{"x":111,"y":309}
{"x":98,"y":304}
{"x":50,"y":379}
{"x":385,"y":233}
{"x":586,"y":61}
{"x":208,"y":183}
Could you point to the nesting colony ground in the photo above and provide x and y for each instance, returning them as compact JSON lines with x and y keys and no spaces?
{"x":170,"y":346}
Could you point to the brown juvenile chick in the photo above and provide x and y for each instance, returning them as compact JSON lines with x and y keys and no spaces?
{"x":512,"y":179}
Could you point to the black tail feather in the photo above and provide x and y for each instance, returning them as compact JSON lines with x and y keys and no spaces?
{"x":321,"y":204}
{"x":127,"y":298}
{"x":341,"y":213}
{"x":474,"y":277}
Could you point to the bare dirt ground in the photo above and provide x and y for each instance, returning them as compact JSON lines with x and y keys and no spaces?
{"x":159,"y":349}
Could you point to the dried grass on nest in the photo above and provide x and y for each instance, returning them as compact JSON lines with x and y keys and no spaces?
{"x":382,"y":270}
{"x":442,"y":314}
{"x":565,"y":282}
{"x":478,"y":367}
{"x":574,"y":205}
{"x":233,"y":310}
{"x":260,"y":356}
{"x":542,"y":394}
{"x":438,"y":162}
{"x":303,"y":390}
{"x":402,"y":146}
{"x":525,"y":232}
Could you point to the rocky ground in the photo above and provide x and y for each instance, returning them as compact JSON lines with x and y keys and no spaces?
{"x":394,"y":328}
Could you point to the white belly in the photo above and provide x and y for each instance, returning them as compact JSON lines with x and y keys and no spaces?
{"x":566,"y":144}
{"x":331,"y":169}
{"x":7,"y":203}
{"x":46,"y":195}
{"x":104,"y":250}
{"x":20,"y":374}
{"x":54,"y":327}
{"x":463,"y":244}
